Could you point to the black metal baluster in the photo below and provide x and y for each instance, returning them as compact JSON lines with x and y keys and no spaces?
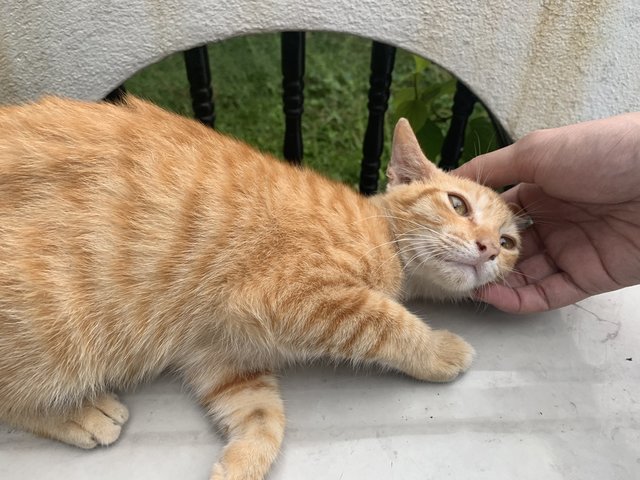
{"x":117,"y":95}
{"x":503,"y":137}
{"x":382,"y":61}
{"x":463,"y":103}
{"x":293,"y":59}
{"x":199,"y":75}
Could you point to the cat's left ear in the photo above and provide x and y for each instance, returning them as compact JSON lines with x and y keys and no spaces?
{"x":408,"y":163}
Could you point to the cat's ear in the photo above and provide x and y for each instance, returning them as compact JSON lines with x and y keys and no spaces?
{"x":408,"y":163}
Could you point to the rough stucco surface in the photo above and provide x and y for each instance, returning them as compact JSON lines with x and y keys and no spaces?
{"x":535,"y":64}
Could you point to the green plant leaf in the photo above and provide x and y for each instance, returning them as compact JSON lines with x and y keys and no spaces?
{"x":430,"y":138}
{"x":448,"y":87}
{"x":436,"y":91}
{"x":421,"y":64}
{"x":415,"y":111}
{"x":480,"y":137}
{"x":401,"y":96}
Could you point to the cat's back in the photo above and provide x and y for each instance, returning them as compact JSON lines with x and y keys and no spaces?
{"x":62,"y":156}
{"x":102,"y":195}
{"x":56,"y":137}
{"x":55,"y":147}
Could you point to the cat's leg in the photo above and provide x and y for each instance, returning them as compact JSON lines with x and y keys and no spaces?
{"x":362,"y":325}
{"x":95,"y":423}
{"x":250,"y":411}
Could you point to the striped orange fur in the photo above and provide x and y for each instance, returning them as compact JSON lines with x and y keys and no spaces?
{"x":133,"y":240}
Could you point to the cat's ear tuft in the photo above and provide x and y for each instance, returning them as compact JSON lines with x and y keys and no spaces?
{"x":408,"y":163}
{"x":523,"y":222}
{"x":522,"y":219}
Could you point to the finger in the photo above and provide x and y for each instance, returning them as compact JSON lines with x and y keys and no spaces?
{"x":530,"y":246}
{"x":555,"y":291}
{"x":511,"y":197}
{"x":526,"y":199}
{"x":495,"y":169}
{"x":503,"y":298}
{"x":513,"y":280}
{"x":530,"y":271}
{"x":530,"y":241}
{"x":536,"y":267}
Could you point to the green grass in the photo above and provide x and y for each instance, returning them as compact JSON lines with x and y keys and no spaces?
{"x":247,"y":81}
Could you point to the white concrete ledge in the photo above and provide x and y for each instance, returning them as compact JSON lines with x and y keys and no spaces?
{"x":551,"y":396}
{"x":535,"y":64}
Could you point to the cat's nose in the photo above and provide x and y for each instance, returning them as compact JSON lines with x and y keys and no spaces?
{"x":488,"y":250}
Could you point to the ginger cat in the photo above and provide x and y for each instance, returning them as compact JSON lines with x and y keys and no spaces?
{"x":133,"y":241}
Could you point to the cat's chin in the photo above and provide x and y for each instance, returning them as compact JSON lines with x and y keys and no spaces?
{"x":449,"y":280}
{"x":462,"y":273}
{"x":438,"y":294}
{"x":444,"y":286}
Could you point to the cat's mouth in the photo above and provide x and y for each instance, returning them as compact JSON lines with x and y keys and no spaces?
{"x":473,"y":274}
{"x":455,"y":274}
{"x":467,"y":274}
{"x":464,"y":266}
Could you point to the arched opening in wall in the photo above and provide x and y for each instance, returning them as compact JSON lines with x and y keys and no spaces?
{"x":246,"y":75}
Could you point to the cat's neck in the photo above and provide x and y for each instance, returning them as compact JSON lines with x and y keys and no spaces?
{"x":416,"y":284}
{"x":383,"y":205}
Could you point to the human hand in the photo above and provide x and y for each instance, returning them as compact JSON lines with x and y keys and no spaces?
{"x":581,"y":186}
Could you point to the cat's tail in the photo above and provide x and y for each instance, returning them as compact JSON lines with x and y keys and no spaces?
{"x":250,"y":410}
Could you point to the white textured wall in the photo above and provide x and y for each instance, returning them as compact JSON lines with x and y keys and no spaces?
{"x":534,"y":63}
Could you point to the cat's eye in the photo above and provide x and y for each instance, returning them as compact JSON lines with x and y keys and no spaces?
{"x":507,"y":243}
{"x":459,"y":205}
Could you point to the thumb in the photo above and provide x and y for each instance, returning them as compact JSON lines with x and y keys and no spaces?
{"x":495,"y":169}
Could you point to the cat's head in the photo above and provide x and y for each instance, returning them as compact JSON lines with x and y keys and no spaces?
{"x":453,"y":234}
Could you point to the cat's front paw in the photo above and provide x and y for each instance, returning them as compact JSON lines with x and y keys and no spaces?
{"x":100,"y":423}
{"x":450,"y":356}
{"x":218,"y":472}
